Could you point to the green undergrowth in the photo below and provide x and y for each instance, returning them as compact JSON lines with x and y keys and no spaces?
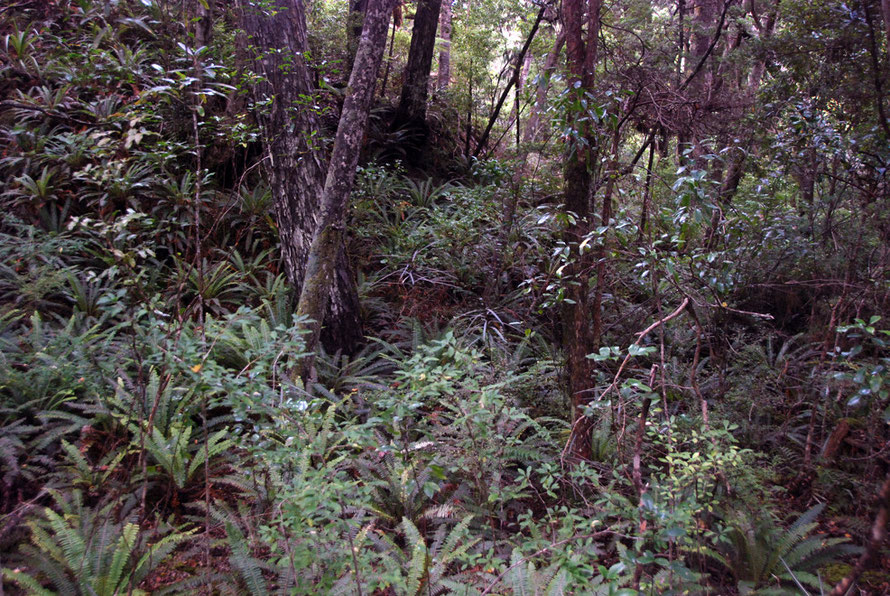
{"x":154,"y":437}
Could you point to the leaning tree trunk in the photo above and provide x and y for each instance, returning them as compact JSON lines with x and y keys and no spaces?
{"x":412,"y":105}
{"x":295,"y":164}
{"x":514,"y":80}
{"x":321,"y":268}
{"x":872,"y":549}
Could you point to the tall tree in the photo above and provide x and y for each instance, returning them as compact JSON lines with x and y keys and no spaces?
{"x":203,"y":22}
{"x":514,"y":80}
{"x":444,"y":75}
{"x":581,"y":54}
{"x":295,"y":163}
{"x":354,"y":20}
{"x":327,"y":243}
{"x":885,"y":12}
{"x":412,"y":104}
{"x":532,"y":127}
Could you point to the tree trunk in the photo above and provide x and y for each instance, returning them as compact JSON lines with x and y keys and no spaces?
{"x":295,"y":164}
{"x":412,"y":105}
{"x":647,"y":191}
{"x":203,"y":23}
{"x":321,"y":269}
{"x":444,"y":76}
{"x":580,"y":59}
{"x":354,"y":21}
{"x":534,"y":119}
{"x":878,"y":535}
{"x":514,"y":80}
{"x":885,"y":12}
{"x":602,"y":251}
{"x":396,"y":23}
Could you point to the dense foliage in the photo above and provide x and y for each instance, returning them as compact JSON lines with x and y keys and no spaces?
{"x":155,"y":437}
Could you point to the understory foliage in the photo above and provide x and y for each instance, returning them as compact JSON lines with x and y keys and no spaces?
{"x":154,"y":437}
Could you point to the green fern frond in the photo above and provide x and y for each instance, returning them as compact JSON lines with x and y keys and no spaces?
{"x":243,"y":561}
{"x":457,"y":587}
{"x":449,"y":552}
{"x":72,"y":544}
{"x":158,"y":552}
{"x":111,"y":583}
{"x":28,"y":583}
{"x":417,"y":569}
{"x":794,"y":534}
{"x":520,"y":574}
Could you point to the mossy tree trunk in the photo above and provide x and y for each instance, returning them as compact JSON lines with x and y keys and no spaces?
{"x":295,"y":159}
{"x":354,"y":21}
{"x":321,"y":263}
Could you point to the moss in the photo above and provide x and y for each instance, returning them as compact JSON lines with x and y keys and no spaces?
{"x":835,"y":572}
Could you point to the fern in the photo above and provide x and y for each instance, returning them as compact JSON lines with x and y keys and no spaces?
{"x":83,"y":551}
{"x":417,"y":568}
{"x":31,"y":585}
{"x":760,"y":554}
{"x":175,"y":453}
{"x":248,"y":567}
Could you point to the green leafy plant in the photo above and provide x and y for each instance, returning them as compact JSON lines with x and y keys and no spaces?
{"x":767,"y":559}
{"x":176,"y":455}
{"x":83,"y":551}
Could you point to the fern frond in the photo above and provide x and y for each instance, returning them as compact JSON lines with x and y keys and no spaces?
{"x":27,"y":582}
{"x":157,"y":553}
{"x":794,"y":534}
{"x":448,"y":551}
{"x":557,"y":586}
{"x":519,"y":575}
{"x":122,"y":552}
{"x":72,"y":544}
{"x":241,"y":559}
{"x":456,"y":587}
{"x":419,"y":559}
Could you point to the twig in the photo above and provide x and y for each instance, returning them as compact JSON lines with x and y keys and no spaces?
{"x":656,"y":324}
{"x":624,"y":362}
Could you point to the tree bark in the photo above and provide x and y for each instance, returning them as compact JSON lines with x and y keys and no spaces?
{"x":444,"y":76}
{"x":295,"y":162}
{"x":328,"y":240}
{"x":533,"y":124}
{"x":354,"y":20}
{"x":203,"y":23}
{"x":885,"y":12}
{"x":412,"y":105}
{"x":647,"y":191}
{"x":396,"y":23}
{"x":580,"y":60}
